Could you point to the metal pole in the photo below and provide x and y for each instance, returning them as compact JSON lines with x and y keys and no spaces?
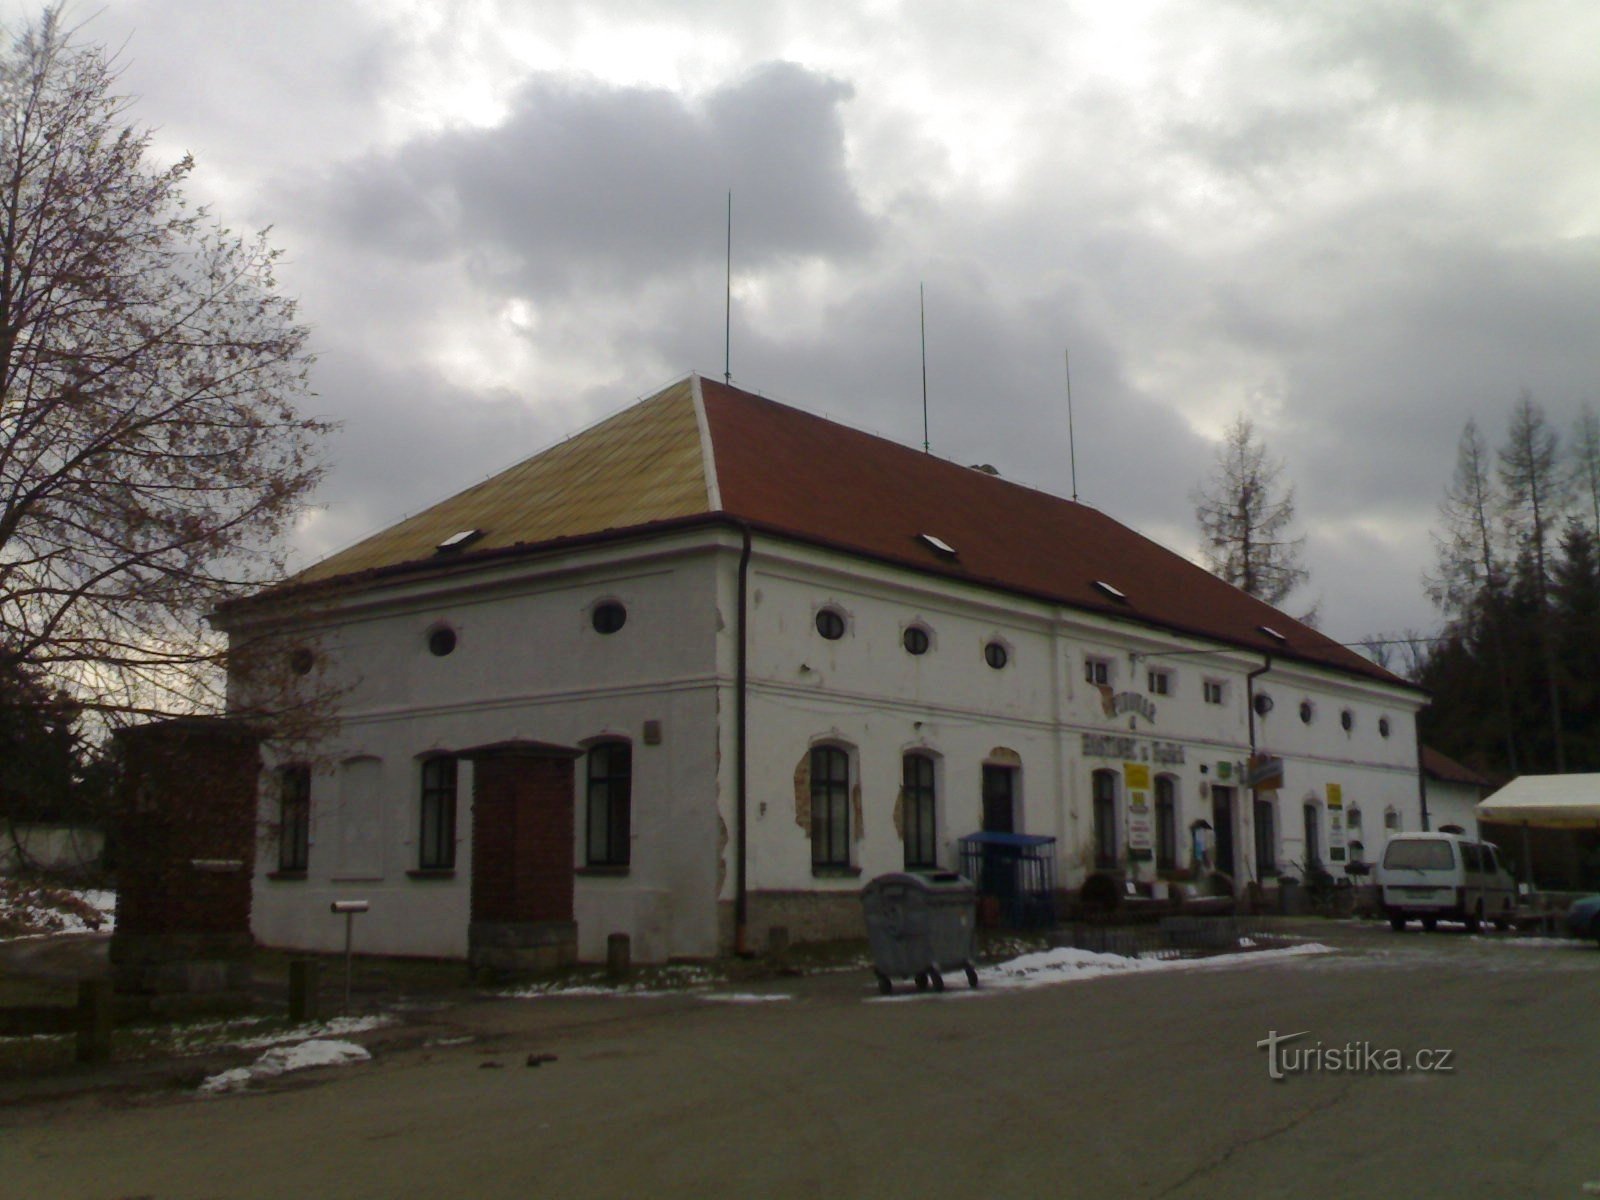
{"x":727,"y":303}
{"x":922,"y":316}
{"x":1072,"y":445}
{"x":349,"y":922}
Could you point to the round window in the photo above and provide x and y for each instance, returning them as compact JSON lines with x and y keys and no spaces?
{"x":441,"y":641}
{"x":608,"y":616}
{"x":1306,"y":711}
{"x":301,"y":660}
{"x":1383,"y":726}
{"x":830,"y":624}
{"x":995,"y":655}
{"x":1263,"y":704}
{"x":1347,"y":720}
{"x":915,"y":639}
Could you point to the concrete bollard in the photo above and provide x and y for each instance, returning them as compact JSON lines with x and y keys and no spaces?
{"x":305,"y":986}
{"x":95,"y":1018}
{"x":619,"y":955}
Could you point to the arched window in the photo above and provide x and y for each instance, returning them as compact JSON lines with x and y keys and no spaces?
{"x":918,"y":816}
{"x":1166,"y":822}
{"x":1391,"y":821}
{"x":610,"y":804}
{"x":830,"y":808}
{"x":1105,"y":819}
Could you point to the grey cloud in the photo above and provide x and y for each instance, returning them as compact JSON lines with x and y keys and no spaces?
{"x":584,"y":182}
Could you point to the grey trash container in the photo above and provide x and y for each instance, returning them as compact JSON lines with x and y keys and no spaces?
{"x":920,"y":926}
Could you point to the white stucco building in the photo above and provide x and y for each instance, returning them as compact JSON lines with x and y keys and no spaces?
{"x":792,"y":656}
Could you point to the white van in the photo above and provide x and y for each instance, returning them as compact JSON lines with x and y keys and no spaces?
{"x":1431,"y":875}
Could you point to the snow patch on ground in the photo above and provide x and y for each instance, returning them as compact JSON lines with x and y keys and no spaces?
{"x":745,"y":997}
{"x":338,"y":1027}
{"x":1046,"y":968}
{"x":282,"y":1059}
{"x":39,"y":910}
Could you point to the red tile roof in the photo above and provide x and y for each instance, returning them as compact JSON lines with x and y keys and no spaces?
{"x":795,"y":473}
{"x":791,"y":473}
{"x":1447,"y":770}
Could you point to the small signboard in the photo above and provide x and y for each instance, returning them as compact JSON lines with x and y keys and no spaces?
{"x":1266,"y":772}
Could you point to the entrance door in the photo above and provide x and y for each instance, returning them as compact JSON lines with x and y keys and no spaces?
{"x":999,"y":799}
{"x":1222,"y":824}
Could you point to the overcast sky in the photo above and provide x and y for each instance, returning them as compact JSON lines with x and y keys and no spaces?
{"x":1358,"y":223}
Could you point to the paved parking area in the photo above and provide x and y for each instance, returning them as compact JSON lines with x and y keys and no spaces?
{"x":1145,"y":1085}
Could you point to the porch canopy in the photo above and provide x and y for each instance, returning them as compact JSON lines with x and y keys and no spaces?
{"x":1546,"y":801}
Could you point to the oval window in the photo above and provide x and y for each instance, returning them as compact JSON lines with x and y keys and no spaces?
{"x":441,"y":641}
{"x":1383,"y":726}
{"x":1306,"y":711}
{"x":301,"y":660}
{"x":830,"y":624}
{"x":995,"y":655}
{"x":915,"y":639}
{"x":1263,"y":704}
{"x":1347,"y":719}
{"x":608,"y":616}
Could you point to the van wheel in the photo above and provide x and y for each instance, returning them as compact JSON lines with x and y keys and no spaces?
{"x":1397,"y":923}
{"x":1429,"y":924}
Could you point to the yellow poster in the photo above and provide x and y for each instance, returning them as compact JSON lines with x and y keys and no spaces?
{"x":1136,"y":776}
{"x":1335,"y":796}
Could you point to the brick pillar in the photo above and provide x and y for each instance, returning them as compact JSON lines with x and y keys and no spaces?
{"x":185,"y":827}
{"x":522,"y":873}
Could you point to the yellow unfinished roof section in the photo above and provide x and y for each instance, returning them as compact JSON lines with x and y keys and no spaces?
{"x":645,"y":464}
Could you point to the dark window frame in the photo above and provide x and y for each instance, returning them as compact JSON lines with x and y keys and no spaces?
{"x":830,"y":624}
{"x":996,"y":654}
{"x":608,"y":617}
{"x":1266,"y":834}
{"x":294,"y":818}
{"x":436,"y":813}
{"x":916,"y":640}
{"x":830,"y":808}
{"x":1166,"y":823}
{"x":919,"y":813}
{"x":608,"y":804}
{"x":1103,"y":785}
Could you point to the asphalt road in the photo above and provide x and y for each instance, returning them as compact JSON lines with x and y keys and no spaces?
{"x":1143,"y":1086}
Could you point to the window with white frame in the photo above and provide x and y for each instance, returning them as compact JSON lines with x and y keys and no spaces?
{"x":1214,"y":691}
{"x":1160,"y":683}
{"x":1097,"y":671}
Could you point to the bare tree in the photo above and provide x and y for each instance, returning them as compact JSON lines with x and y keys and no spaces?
{"x":1470,"y":577}
{"x":1244,"y":515}
{"x":152,"y":454}
{"x":1534,"y":495}
{"x":1586,"y":462}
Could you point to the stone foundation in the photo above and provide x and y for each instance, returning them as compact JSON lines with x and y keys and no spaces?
{"x":516,"y":947}
{"x":808,"y":916}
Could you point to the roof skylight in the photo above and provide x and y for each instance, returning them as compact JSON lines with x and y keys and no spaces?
{"x":1273,"y":633}
{"x":1112,"y":590}
{"x":937,"y":544}
{"x":457,"y":540}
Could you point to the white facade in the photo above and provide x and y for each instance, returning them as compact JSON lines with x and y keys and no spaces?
{"x":528,"y":663}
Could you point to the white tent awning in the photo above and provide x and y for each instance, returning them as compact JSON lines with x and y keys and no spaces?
{"x":1561,"y":801}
